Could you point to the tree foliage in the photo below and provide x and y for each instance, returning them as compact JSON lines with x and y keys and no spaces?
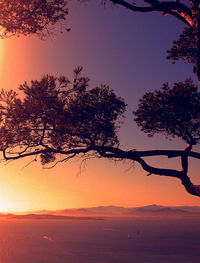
{"x":31,"y":16}
{"x":184,"y":48}
{"x":171,"y":111}
{"x":57,"y":116}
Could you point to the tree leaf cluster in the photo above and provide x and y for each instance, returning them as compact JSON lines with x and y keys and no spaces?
{"x":31,"y":16}
{"x":184,"y":48}
{"x":171,"y":111}
{"x":57,"y":115}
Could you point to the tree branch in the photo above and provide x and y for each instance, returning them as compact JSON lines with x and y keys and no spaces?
{"x":182,"y":175}
{"x":43,"y":151}
{"x":133,"y":7}
{"x":132,"y":154}
{"x":159,"y":171}
{"x":116,"y":153}
{"x":179,"y":10}
{"x":106,"y":151}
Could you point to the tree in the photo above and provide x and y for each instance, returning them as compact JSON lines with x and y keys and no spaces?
{"x":60,"y":119}
{"x":31,"y":16}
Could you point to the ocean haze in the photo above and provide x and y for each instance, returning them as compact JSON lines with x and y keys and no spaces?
{"x":118,"y":240}
{"x":103,"y":234}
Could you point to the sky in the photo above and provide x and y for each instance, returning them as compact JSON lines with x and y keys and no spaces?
{"x":126,"y":51}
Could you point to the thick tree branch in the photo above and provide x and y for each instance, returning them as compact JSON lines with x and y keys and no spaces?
{"x":132,"y":7}
{"x":159,"y":171}
{"x":182,"y":175}
{"x":132,"y":154}
{"x":115,"y":152}
{"x":43,"y":151}
{"x":106,"y":151}
{"x":179,"y":10}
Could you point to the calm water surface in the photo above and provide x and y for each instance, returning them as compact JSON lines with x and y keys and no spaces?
{"x":103,"y":241}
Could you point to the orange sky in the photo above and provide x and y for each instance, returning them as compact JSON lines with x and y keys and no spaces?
{"x":102,"y":182}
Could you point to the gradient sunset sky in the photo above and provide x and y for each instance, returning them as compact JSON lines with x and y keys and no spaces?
{"x":126,"y":51}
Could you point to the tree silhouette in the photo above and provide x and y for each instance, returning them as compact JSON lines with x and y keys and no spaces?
{"x":31,"y":16}
{"x":57,"y":116}
{"x":174,"y":112}
{"x":59,"y":119}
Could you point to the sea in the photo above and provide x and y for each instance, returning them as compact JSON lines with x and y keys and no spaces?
{"x":113,"y":240}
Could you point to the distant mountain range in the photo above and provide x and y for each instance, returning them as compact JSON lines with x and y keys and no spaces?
{"x":46,"y":217}
{"x":123,"y":211}
{"x":100,"y":212}
{"x":119,"y":210}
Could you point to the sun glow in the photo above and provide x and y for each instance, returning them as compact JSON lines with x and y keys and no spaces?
{"x":4,"y":207}
{"x":7,"y":199}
